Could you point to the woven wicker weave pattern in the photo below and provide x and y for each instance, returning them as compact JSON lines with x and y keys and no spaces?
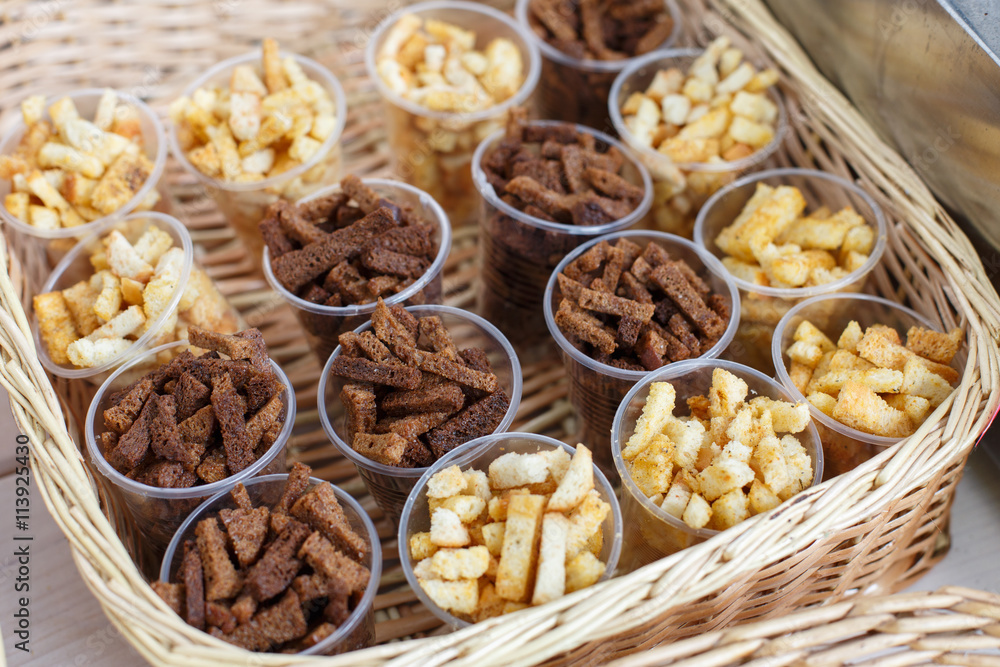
{"x":874,"y":529}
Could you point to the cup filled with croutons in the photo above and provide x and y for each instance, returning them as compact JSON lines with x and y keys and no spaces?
{"x":184,"y":421}
{"x":698,"y":119}
{"x":785,"y":235}
{"x":449,"y":72}
{"x":406,"y":388}
{"x":132,"y":285}
{"x":703,"y":445}
{"x":277,"y":564}
{"x":507,"y":522}
{"x":259,"y":128}
{"x":871,"y":369}
{"x":72,"y":162}
{"x":629,"y":303}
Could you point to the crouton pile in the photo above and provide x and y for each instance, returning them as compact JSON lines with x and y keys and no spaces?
{"x":525,"y":534}
{"x":724,"y":462}
{"x":70,"y":171}
{"x":869,"y":380}
{"x":278,"y":579}
{"x":96,"y":320}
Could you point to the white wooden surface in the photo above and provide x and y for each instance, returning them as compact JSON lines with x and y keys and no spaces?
{"x":69,"y":628}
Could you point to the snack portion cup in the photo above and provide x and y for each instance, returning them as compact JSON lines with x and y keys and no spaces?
{"x":41,"y":249}
{"x":195,"y":292}
{"x":575,"y":89}
{"x":596,"y":389}
{"x":762,"y":307}
{"x":154,"y":512}
{"x":651,"y":533}
{"x":477,"y":455}
{"x":681,"y":188}
{"x":358,"y":631}
{"x":844,"y":448}
{"x":244,"y":204}
{"x":432,"y":150}
{"x":518,"y":251}
{"x":390,"y":485}
{"x":324,"y":324}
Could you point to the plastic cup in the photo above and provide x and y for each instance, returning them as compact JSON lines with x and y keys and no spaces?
{"x":76,"y":266}
{"x":390,"y":485}
{"x":432,"y":150}
{"x":154,"y":512}
{"x":244,"y":204}
{"x":596,"y":389}
{"x":477,"y":455}
{"x":41,"y":249}
{"x":681,"y":188}
{"x":519,"y":251}
{"x":844,"y":447}
{"x":575,"y":89}
{"x":358,"y":631}
{"x":651,"y":533}
{"x":324,"y":324}
{"x":763,"y":307}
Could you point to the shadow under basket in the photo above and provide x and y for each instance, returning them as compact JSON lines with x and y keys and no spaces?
{"x":874,"y":529}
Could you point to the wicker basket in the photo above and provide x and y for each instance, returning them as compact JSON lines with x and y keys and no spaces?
{"x":873,"y":530}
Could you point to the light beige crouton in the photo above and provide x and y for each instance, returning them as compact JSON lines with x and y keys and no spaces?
{"x":850,"y":337}
{"x":86,"y":353}
{"x":762,"y":498}
{"x":477,"y":484}
{"x":698,"y":512}
{"x":586,"y":519}
{"x":109,"y":300}
{"x":804,"y":353}
{"x":121,"y":325}
{"x":55,"y":324}
{"x":421,"y":546}
{"x":785,"y":417}
{"x":454,"y":564}
{"x":808,"y":332}
{"x":459,"y":597}
{"x":575,"y":483}
{"x":825,"y":402}
{"x":724,"y":476}
{"x":730,"y":509}
{"x":124,"y":260}
{"x":651,"y":470}
{"x":497,"y":507}
{"x":916,"y":407}
{"x":676,"y":499}
{"x":522,"y":533}
{"x":844,"y":360}
{"x":859,"y":407}
{"x":446,"y":483}
{"x":658,"y":410}
{"x":687,"y":437}
{"x":490,"y":605}
{"x":919,"y":381}
{"x":550,"y":579}
{"x":748,"y":428}
{"x":513,"y":469}
{"x":80,"y":299}
{"x":800,"y":375}
{"x":558,"y":461}
{"x":769,"y":459}
{"x":493,"y":537}
{"x":800,"y":469}
{"x":152,"y":244}
{"x":468,"y":508}
{"x":447,"y":529}
{"x":583,"y":570}
{"x":932,"y":345}
{"x":880,"y":380}
{"x":726,"y":394}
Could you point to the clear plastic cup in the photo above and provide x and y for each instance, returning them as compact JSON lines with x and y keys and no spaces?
{"x":324,"y":324}
{"x":41,"y":249}
{"x":844,"y":448}
{"x":477,"y":455}
{"x":596,"y":389}
{"x":681,"y":188}
{"x":244,"y":204}
{"x":651,"y":533}
{"x":432,"y":150}
{"x":154,"y":512}
{"x":577,"y":90}
{"x":210,"y":310}
{"x":390,"y":485}
{"x":358,"y":631}
{"x":519,"y":251}
{"x":763,"y":307}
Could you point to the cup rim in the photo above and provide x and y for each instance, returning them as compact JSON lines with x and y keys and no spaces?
{"x":132,"y":486}
{"x":489,"y":194}
{"x":375,"y":570}
{"x":712,"y":265}
{"x":675,"y":371}
{"x":874,"y":257}
{"x":436,"y":267}
{"x":159,"y":163}
{"x":757,"y":157}
{"x":139,"y":345}
{"x":462,"y":456}
{"x":432,"y":309}
{"x":591,"y":64}
{"x":534,"y":64}
{"x":777,"y":357}
{"x":318,"y":73}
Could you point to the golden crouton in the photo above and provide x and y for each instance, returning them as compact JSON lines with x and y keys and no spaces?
{"x":80,"y":299}
{"x":652,"y":468}
{"x":919,"y":381}
{"x":676,"y":499}
{"x":844,"y":360}
{"x":724,"y":476}
{"x":460,"y":597}
{"x":880,"y":380}
{"x":730,"y":509}
{"x":808,"y":332}
{"x":762,"y":498}
{"x":421,"y":546}
{"x":583,"y":570}
{"x":932,"y":345}
{"x":804,"y":354}
{"x":454,"y":564}
{"x":585,"y":520}
{"x":859,"y":407}
{"x":122,"y":180}
{"x":468,"y":508}
{"x":55,"y":324}
{"x":698,"y":512}
{"x":785,"y":417}
{"x":850,"y":337}
{"x":493,"y":537}
{"x":916,"y":407}
{"x":512,"y":469}
{"x":726,"y":393}
{"x":577,"y":481}
{"x":800,"y":375}
{"x":522,"y":533}
{"x":769,"y":459}
{"x":824,"y":402}
{"x":658,"y":410}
